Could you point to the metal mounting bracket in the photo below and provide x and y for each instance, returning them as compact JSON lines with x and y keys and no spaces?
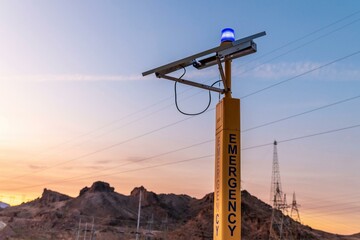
{"x":191,"y":83}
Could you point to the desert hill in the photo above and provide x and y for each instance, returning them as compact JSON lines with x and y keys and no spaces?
{"x":101,"y":213}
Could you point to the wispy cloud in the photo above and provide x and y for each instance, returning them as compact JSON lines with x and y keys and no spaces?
{"x":265,"y":71}
{"x":281,"y":70}
{"x":36,"y":167}
{"x":287,"y":69}
{"x":102,"y":162}
{"x":70,"y":77}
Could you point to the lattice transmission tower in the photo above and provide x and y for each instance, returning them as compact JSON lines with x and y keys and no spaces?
{"x":278,"y":200}
{"x":294,"y":213}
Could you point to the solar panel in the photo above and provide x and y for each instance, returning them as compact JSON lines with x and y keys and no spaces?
{"x":213,"y":56}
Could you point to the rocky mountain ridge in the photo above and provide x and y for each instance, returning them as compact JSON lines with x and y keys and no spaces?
{"x":102,"y":213}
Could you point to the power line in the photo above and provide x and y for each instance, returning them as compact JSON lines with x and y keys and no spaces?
{"x":266,"y":124}
{"x":124,"y":171}
{"x":314,"y":201}
{"x":104,"y":126}
{"x":302,"y":113}
{"x":301,"y":74}
{"x":330,"y":206}
{"x":258,"y":91}
{"x":158,"y":155}
{"x":83,"y":176}
{"x":331,"y":199}
{"x":303,"y":137}
{"x":337,"y":211}
{"x":107,"y":147}
{"x":303,"y":37}
{"x":249,"y":129}
{"x":193,"y":159}
{"x":111,"y":131}
{"x":301,"y":46}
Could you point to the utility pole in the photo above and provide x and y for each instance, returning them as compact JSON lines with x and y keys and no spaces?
{"x":138,"y":220}
{"x":78,"y":232}
{"x":227,"y":194}
{"x":150,"y":222}
{"x":92,"y":228}
{"x":85,"y":231}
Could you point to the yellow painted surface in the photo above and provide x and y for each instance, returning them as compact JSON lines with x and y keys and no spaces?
{"x":227,"y":195}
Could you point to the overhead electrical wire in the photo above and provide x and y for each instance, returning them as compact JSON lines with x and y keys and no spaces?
{"x":335,"y":211}
{"x":107,"y":147}
{"x":303,"y":37}
{"x":302,"y":113}
{"x":301,"y":46}
{"x":104,"y":148}
{"x":301,"y":74}
{"x":246,"y":130}
{"x":143,"y":159}
{"x":193,"y":159}
{"x":104,"y":126}
{"x":319,"y":202}
{"x":138,"y":119}
{"x":129,"y":123}
{"x":329,"y":199}
{"x":252,"y":128}
{"x":123,"y":171}
{"x":331,"y":206}
{"x":249,"y":129}
{"x":303,"y":137}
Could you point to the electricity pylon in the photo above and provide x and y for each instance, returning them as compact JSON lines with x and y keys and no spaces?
{"x":294,"y":213}
{"x":278,"y":199}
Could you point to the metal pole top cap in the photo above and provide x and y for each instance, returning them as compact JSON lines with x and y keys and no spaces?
{"x":227,"y":35}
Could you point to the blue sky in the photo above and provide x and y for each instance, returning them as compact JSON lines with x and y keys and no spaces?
{"x":72,"y":91}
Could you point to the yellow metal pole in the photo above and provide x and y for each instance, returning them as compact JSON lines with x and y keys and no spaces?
{"x":228,"y":77}
{"x":227,"y":194}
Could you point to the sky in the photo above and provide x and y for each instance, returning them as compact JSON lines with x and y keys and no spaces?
{"x":74,"y":107}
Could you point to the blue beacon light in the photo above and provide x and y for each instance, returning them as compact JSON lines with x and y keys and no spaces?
{"x":227,"y":35}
